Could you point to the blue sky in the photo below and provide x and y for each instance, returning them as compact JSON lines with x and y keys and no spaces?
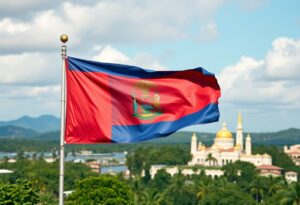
{"x":253,"y":47}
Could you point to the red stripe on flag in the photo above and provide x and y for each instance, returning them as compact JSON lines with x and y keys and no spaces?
{"x":89,"y":111}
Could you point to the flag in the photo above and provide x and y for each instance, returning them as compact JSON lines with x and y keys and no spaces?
{"x":114,"y":103}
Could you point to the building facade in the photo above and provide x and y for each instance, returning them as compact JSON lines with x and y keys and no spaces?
{"x":291,"y":176}
{"x":294,"y":153}
{"x":226,"y":149}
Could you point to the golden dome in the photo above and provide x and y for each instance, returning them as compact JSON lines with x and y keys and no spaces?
{"x":224,"y":132}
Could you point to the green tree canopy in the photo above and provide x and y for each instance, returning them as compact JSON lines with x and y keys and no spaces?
{"x":106,"y":190}
{"x":22,"y":192}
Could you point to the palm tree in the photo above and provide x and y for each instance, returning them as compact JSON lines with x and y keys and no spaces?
{"x":230,"y":171}
{"x":292,"y":194}
{"x":210,"y":159}
{"x":274,"y":185}
{"x":204,"y":187}
{"x":257,"y":188}
{"x":151,"y":197}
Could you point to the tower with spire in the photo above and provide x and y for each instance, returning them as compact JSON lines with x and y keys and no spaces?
{"x":248,"y":145}
{"x":194,"y":144}
{"x":239,"y":132}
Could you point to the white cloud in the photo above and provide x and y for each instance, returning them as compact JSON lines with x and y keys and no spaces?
{"x":35,"y":92}
{"x":250,"y":5}
{"x":283,"y":61}
{"x":112,"y":55}
{"x":30,"y":69}
{"x":106,"y":22}
{"x":22,"y":9}
{"x":19,"y":100}
{"x":270,"y":81}
{"x":208,"y":32}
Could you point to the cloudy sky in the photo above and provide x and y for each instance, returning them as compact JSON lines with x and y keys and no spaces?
{"x":253,"y":47}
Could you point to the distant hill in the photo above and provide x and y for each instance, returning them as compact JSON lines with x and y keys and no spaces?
{"x":16,"y":132}
{"x":42,"y":123}
{"x":283,"y":137}
{"x":47,"y":136}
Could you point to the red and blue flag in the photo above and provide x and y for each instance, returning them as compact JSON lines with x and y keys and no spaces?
{"x":114,"y":103}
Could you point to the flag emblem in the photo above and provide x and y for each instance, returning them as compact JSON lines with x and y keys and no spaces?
{"x":145,"y":100}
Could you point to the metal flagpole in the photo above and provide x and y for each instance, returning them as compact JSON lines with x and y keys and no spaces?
{"x":63,"y":39}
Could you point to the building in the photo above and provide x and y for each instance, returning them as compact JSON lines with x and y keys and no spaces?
{"x":50,"y":159}
{"x":185,"y":171}
{"x":226,"y":149}
{"x":5,"y":171}
{"x":94,"y":165}
{"x":294,"y":153}
{"x":268,"y":170}
{"x":291,"y":176}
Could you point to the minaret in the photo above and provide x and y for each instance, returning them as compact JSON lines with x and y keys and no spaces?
{"x":239,"y":132}
{"x":194,"y":144}
{"x":248,"y":145}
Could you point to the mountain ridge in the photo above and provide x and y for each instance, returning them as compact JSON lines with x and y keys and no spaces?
{"x":281,"y":137}
{"x":42,"y":123}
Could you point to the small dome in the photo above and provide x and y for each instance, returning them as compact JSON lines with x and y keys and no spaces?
{"x":224,"y":133}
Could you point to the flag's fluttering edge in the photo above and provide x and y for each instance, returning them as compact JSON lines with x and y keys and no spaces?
{"x":113,"y":103}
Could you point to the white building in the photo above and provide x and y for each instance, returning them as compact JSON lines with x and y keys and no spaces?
{"x":294,"y":153}
{"x":291,"y":176}
{"x":186,"y":171}
{"x":226,"y":150}
{"x":5,"y":171}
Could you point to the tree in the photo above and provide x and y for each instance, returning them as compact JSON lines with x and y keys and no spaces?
{"x":210,"y":159}
{"x":101,"y":190}
{"x":162,"y":179}
{"x":274,"y":184}
{"x":258,"y":187}
{"x":22,"y":192}
{"x":204,"y":188}
{"x":20,"y":155}
{"x":179,"y":192}
{"x":230,"y":172}
{"x":135,"y":162}
{"x":292,"y":194}
{"x":151,"y":197}
{"x":229,"y":194}
{"x":247,"y":170}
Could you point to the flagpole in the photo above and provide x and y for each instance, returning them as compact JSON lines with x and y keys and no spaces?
{"x":63,"y":39}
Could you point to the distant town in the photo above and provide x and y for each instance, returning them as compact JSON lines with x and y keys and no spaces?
{"x":236,"y":157}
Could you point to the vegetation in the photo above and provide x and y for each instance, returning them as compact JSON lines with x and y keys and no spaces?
{"x":37,"y":181}
{"x":21,"y":192}
{"x":43,"y":176}
{"x":101,"y":190}
{"x":143,"y":157}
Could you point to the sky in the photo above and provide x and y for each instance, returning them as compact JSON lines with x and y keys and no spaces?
{"x":252,"y":46}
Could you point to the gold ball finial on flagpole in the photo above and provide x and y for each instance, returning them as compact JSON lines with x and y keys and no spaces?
{"x":64,"y":38}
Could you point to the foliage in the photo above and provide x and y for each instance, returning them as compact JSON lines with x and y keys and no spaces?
{"x":210,"y":159}
{"x":161,"y":179}
{"x":291,"y":195}
{"x":226,"y":195}
{"x":181,"y":192}
{"x":21,"y":192}
{"x":101,"y":190}
{"x":45,"y":175}
{"x":143,"y":157}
